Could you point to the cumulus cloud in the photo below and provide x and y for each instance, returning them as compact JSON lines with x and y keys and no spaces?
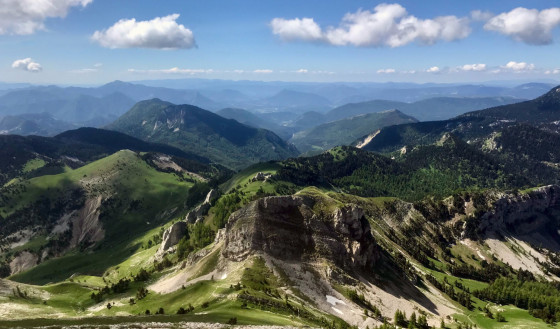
{"x":387,"y":25}
{"x":386,"y":71}
{"x":302,"y":71}
{"x":158,"y":33}
{"x":28,"y":16}
{"x":433,"y":69}
{"x":473,"y":67}
{"x":296,"y":29}
{"x":555,"y":71}
{"x":263,"y":71}
{"x":27,"y":64}
{"x":530,"y":26}
{"x":518,"y":66}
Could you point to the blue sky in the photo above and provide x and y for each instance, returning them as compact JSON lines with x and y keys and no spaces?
{"x":53,"y":41}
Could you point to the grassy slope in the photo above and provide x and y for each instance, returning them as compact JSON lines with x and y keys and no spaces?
{"x":124,"y":176}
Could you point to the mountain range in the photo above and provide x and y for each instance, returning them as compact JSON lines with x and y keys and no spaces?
{"x":447,"y":224}
{"x":98,"y":106}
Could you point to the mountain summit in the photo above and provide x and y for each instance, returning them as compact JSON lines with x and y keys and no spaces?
{"x":193,"y":129}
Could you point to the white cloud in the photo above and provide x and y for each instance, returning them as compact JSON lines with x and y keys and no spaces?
{"x":530,"y":26}
{"x":28,"y":16}
{"x":302,"y":71}
{"x":555,"y":71}
{"x":473,"y":67}
{"x":433,"y":69}
{"x":296,"y":29}
{"x":265,"y":71}
{"x":518,"y":66}
{"x":387,"y":25}
{"x":158,"y":33}
{"x":174,"y":70}
{"x":479,"y":15}
{"x":98,"y":65}
{"x":27,"y":64}
{"x":386,"y":71}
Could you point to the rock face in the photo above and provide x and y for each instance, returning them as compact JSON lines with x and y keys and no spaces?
{"x":211,"y":196}
{"x":536,"y":212}
{"x":172,"y":236}
{"x":287,"y":228}
{"x":198,"y":213}
{"x":86,"y":226}
{"x":24,"y":261}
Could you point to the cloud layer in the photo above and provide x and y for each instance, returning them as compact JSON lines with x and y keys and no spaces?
{"x":158,"y":33}
{"x":530,"y":26}
{"x":387,"y":25}
{"x":27,"y":64}
{"x":28,"y":16}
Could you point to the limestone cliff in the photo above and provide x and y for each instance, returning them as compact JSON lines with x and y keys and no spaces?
{"x":288,"y":228}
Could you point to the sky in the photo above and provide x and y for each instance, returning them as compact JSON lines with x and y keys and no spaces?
{"x":98,"y":41}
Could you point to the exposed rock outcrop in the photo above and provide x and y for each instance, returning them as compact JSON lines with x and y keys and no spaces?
{"x":172,"y":236}
{"x":198,"y":213}
{"x":211,"y":196}
{"x":261,"y":177}
{"x":24,"y":261}
{"x":535,"y":213}
{"x":86,"y":227}
{"x":287,"y":228}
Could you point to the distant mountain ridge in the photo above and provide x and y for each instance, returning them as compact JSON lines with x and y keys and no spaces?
{"x":40,"y":124}
{"x":198,"y":131}
{"x":437,"y":108}
{"x":345,"y":131}
{"x":543,"y":111}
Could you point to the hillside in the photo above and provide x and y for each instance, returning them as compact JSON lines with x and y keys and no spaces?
{"x":357,"y":260}
{"x":541,"y":112}
{"x":75,"y":148}
{"x":201,"y":132}
{"x":97,"y":209}
{"x":345,"y":131}
{"x":347,"y":237}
